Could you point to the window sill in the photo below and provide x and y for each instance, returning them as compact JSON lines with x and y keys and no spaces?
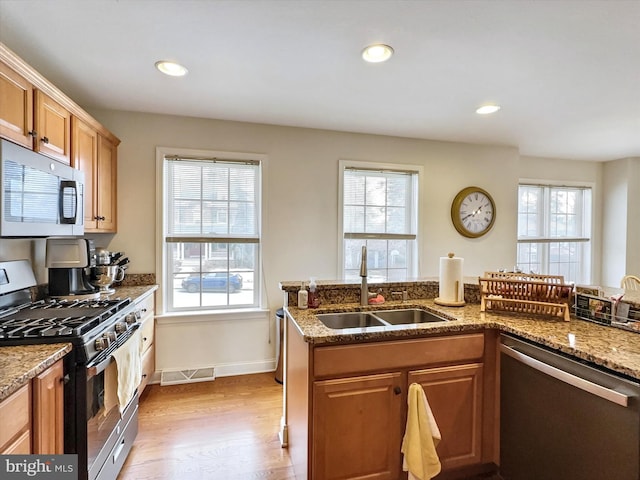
{"x":212,"y":315}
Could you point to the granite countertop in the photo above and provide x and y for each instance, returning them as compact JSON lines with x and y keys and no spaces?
{"x":613,"y":348}
{"x":19,"y":364}
{"x":133,"y":292}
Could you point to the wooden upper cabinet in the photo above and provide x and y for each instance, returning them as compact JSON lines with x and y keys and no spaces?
{"x":16,"y":107}
{"x":84,"y":157}
{"x":48,"y":411}
{"x":53,"y":128}
{"x":106,"y":185}
{"x":96,"y":157}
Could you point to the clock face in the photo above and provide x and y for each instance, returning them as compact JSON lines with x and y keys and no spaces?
{"x":473,"y":212}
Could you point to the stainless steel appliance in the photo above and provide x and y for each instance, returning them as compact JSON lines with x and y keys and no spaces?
{"x":69,"y":261}
{"x":96,"y":328}
{"x":563,"y":418}
{"x":39,"y":197}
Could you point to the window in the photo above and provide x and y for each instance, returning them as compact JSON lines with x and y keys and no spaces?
{"x":379,"y":210}
{"x":211,"y":225}
{"x":554,"y":231}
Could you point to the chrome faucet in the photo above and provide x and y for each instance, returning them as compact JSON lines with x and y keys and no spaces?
{"x":364,"y":287}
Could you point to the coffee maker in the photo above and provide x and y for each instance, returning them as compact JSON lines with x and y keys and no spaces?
{"x":69,"y":261}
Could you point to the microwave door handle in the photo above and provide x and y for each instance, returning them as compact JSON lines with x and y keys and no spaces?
{"x":64,"y":186}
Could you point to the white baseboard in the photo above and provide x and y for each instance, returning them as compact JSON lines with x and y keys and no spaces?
{"x":230,"y":369}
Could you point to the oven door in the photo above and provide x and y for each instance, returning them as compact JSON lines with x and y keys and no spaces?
{"x":110,"y":433}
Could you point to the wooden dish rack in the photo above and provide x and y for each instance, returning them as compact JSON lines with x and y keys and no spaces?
{"x":526,"y":293}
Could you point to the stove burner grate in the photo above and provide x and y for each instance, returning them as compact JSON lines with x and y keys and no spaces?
{"x":58,"y":318}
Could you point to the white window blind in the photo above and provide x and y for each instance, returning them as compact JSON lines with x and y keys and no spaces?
{"x":554,"y":231}
{"x":212,"y":232}
{"x":379,"y":210}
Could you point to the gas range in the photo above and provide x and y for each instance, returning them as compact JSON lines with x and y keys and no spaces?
{"x":99,"y":431}
{"x":91,"y":325}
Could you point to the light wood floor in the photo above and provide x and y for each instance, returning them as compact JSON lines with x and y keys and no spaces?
{"x":226,"y":429}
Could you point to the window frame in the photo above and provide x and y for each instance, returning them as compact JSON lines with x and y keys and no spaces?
{"x":344,"y":165}
{"x":590,"y":239}
{"x":162,"y":271}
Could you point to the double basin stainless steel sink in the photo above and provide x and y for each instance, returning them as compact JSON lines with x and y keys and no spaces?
{"x":382,"y":318}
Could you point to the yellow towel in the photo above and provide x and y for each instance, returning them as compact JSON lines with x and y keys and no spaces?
{"x":110,"y":388}
{"x":129,"y":364}
{"x":421,"y":437}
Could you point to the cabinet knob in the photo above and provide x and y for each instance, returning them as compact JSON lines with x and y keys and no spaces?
{"x":45,"y":139}
{"x":33,"y":133}
{"x":397,"y":390}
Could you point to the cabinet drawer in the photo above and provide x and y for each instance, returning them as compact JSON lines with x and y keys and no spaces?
{"x":146,"y":306}
{"x":384,"y":356}
{"x":15,"y":415}
{"x":148,"y":367}
{"x":147,"y":333}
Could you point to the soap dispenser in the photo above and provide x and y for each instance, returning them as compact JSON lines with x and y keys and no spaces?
{"x":303,"y":297}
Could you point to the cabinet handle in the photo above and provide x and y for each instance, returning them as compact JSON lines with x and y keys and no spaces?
{"x":33,"y":133}
{"x":65,"y":379}
{"x":144,"y":339}
{"x":45,"y":139}
{"x":397,"y":390}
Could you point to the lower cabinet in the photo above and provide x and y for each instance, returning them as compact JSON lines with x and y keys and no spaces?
{"x":32,"y":418}
{"x":346,"y":412}
{"x":147,"y":331}
{"x":356,"y":411}
{"x":455,"y":397}
{"x":15,"y":418}
{"x":48,"y":410}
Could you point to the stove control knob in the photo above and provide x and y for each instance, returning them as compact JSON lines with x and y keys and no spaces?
{"x":111,"y":336}
{"x":121,"y":327}
{"x":102,"y":343}
{"x":130,"y":319}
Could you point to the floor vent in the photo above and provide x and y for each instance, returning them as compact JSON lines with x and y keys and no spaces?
{"x":175,"y":377}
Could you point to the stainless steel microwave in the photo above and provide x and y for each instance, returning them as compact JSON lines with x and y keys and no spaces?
{"x":39,"y":197}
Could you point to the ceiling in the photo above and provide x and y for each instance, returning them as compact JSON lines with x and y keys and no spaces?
{"x":566,"y":73}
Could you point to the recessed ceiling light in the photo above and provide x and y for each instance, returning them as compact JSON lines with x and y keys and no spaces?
{"x":487,"y":109}
{"x":377,"y":53}
{"x":171,"y":68}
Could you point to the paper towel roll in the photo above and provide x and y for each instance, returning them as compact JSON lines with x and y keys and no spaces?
{"x":451,"y":284}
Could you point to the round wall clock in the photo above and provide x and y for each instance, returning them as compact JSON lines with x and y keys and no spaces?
{"x":473,"y":212}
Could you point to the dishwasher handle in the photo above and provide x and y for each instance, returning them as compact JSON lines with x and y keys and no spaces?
{"x":578,"y":382}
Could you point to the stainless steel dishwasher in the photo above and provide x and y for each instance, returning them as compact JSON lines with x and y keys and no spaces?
{"x":564,"y":419}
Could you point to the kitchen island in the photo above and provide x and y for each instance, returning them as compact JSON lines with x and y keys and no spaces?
{"x":341,"y":383}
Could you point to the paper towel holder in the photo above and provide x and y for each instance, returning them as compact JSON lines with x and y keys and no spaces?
{"x":456,"y":302}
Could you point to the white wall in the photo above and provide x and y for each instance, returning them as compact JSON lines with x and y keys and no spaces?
{"x":300,"y":228}
{"x":621,"y":215}
{"x":301,"y":204}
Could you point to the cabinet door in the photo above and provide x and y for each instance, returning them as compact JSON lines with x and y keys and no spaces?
{"x":16,"y":107}
{"x":357,"y":426}
{"x":53,"y":127}
{"x":15,"y":422}
{"x":106,"y":185}
{"x":84,"y":157}
{"x":455,"y":397}
{"x":48,"y":409}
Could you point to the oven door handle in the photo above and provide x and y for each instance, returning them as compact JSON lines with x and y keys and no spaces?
{"x":94,"y":369}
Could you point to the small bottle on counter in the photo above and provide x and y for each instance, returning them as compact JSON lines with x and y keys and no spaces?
{"x":303,"y":297}
{"x":314,"y":299}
